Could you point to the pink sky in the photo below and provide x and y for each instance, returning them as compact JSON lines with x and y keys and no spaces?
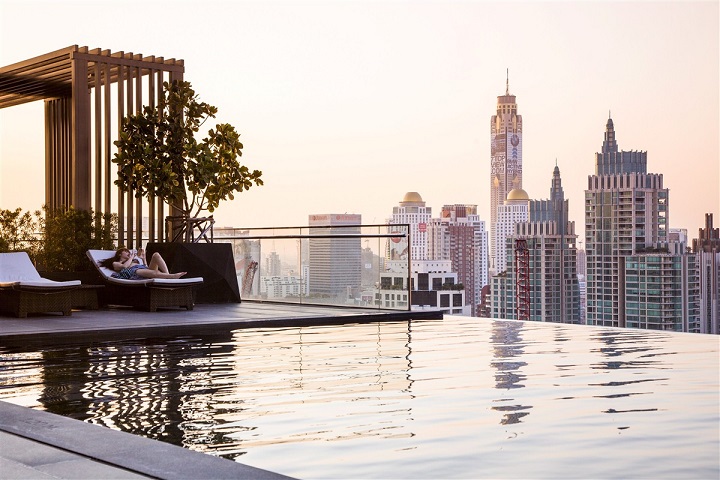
{"x":345,"y":106}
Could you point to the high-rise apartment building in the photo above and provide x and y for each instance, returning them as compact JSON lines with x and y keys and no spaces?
{"x":273,"y":266}
{"x":661,"y":291}
{"x":707,"y":248}
{"x":459,"y":236}
{"x":335,"y":264}
{"x":514,"y":210}
{"x":539,"y":282}
{"x":412,"y":211}
{"x":505,"y":160}
{"x":626,"y":212}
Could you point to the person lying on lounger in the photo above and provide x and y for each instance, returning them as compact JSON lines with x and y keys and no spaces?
{"x":126,"y":266}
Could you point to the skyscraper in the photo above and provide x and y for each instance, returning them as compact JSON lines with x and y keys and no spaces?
{"x":540,"y":281}
{"x":626,"y":212}
{"x":335,"y":263}
{"x":707,"y":248}
{"x":505,"y":159}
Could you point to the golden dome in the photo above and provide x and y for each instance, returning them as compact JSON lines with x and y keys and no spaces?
{"x":517,"y":194}
{"x":412,"y":197}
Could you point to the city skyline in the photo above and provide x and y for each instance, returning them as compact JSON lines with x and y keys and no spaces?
{"x":345,"y":107}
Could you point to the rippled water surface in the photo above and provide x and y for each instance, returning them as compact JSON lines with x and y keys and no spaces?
{"x":458,"y":398}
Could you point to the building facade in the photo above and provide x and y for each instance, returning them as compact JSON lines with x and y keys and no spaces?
{"x":335,"y":264}
{"x":707,"y":248}
{"x":412,"y":211}
{"x":662,"y":292}
{"x":433,"y":285}
{"x":459,"y":236}
{"x":539,"y":282}
{"x":514,"y":210}
{"x":626,"y":212}
{"x":505,"y":161}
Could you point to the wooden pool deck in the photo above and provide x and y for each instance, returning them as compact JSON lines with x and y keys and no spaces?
{"x":204,"y":317}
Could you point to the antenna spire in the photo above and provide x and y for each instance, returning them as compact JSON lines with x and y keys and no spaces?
{"x":507,"y":82}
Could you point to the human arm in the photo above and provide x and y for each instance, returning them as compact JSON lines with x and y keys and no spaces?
{"x":120,"y":264}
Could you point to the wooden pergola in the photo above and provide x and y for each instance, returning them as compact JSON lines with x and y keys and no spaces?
{"x":86,"y":92}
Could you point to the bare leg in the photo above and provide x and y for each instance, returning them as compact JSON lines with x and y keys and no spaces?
{"x":150,"y":273}
{"x":158,"y":269}
{"x":158,"y":263}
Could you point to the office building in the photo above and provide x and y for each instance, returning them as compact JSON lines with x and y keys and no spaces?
{"x":505,"y":162}
{"x":626,"y":212}
{"x":335,"y":264}
{"x":273,"y":266}
{"x":459,"y":236}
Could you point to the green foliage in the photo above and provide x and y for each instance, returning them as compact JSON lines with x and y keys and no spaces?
{"x":19,"y":232}
{"x":159,"y":155}
{"x":58,"y":240}
{"x":68,"y":233}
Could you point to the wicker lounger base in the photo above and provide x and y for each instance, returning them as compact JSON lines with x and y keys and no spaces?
{"x":148,"y":298}
{"x":22,"y":302}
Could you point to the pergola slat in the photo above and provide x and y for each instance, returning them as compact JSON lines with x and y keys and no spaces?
{"x":75,"y":84}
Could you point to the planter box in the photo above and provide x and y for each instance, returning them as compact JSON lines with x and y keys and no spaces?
{"x":212,"y":261}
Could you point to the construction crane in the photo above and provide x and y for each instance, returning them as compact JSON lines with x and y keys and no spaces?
{"x":522,"y":280}
{"x":248,"y":276}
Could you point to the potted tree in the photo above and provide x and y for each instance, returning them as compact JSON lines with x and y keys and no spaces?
{"x":159,"y":155}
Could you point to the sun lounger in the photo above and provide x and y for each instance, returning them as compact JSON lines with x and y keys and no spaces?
{"x":149,"y":294}
{"x":23,"y":290}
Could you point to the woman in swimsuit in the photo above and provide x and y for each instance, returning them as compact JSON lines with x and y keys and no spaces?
{"x":129,"y":266}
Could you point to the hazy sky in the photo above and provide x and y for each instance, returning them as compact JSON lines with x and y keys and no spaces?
{"x":345,"y":106}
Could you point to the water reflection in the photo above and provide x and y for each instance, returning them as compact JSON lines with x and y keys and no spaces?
{"x":507,"y":345}
{"x":418,"y":399}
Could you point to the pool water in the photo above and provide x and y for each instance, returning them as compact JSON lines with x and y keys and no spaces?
{"x":453,"y":398}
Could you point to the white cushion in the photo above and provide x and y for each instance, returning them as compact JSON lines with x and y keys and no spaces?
{"x":16,"y":269}
{"x":98,"y":255}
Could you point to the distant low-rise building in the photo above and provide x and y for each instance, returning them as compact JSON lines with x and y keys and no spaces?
{"x":432,"y":285}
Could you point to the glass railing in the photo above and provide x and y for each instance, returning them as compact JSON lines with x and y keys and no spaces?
{"x":348,"y":265}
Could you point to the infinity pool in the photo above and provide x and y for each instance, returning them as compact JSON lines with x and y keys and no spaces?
{"x":456,"y":398}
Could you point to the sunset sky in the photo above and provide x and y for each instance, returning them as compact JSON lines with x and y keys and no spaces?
{"x":347,"y":105}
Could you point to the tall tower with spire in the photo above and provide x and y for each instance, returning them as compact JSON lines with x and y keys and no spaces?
{"x":626,"y":214}
{"x":505,"y":158}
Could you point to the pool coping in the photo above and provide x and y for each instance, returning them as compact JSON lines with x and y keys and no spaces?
{"x":125,"y":452}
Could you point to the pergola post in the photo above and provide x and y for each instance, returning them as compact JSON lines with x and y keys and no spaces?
{"x":80,"y":164}
{"x":75,"y":172}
